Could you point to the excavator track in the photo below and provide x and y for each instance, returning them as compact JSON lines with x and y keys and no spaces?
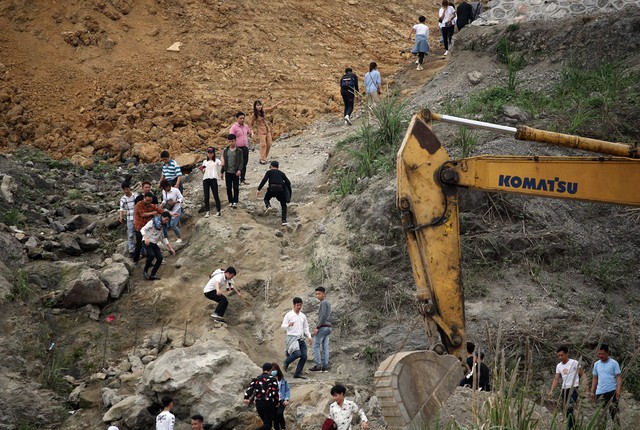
{"x":412,"y":386}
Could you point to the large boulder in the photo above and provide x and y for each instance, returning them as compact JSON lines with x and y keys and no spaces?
{"x":88,"y":289}
{"x":115,"y":278}
{"x":207,"y":377}
{"x":133,"y":411}
{"x":11,"y":251}
{"x":23,"y":400}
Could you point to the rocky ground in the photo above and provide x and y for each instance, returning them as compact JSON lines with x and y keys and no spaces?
{"x":530,"y":266}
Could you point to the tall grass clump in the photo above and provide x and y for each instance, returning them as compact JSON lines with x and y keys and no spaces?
{"x":372,"y":150}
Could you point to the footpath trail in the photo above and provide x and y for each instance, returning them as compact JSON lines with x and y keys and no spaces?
{"x":272,"y":260}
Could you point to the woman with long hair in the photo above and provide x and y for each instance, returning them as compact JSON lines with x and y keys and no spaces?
{"x":284,"y":391}
{"x":211,"y":168}
{"x":446,"y":16}
{"x":259,"y":121}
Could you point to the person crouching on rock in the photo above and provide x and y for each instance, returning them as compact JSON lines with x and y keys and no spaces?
{"x":213,"y":290}
{"x":152,"y":232}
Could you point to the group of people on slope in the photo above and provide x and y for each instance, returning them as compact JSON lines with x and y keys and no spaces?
{"x":349,"y":89}
{"x":271,"y":392}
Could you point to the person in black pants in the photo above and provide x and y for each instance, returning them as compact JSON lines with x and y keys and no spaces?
{"x":264,"y":390}
{"x":211,"y":171}
{"x":152,"y":232}
{"x":232,"y":162}
{"x":348,"y":90}
{"x":279,"y":187}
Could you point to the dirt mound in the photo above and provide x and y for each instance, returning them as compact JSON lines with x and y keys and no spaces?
{"x":93,"y":79}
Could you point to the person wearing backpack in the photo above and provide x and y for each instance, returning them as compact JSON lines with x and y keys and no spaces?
{"x":265,"y":393}
{"x":348,"y":90}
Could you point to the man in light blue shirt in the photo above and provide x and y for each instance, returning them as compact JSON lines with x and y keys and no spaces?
{"x":606,"y":386}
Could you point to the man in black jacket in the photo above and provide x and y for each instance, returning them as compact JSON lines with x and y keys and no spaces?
{"x":464,"y":14}
{"x":279,"y":187}
{"x":348,"y":90}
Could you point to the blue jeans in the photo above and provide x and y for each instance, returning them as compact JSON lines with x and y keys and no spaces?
{"x":173,"y":224}
{"x":301,"y":354}
{"x":322,"y":338}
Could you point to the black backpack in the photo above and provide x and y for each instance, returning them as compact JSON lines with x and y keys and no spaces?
{"x":348,"y":81}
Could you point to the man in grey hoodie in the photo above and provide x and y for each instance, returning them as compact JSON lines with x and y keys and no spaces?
{"x":322,"y":333}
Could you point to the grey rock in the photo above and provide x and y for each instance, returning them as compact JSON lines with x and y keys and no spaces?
{"x":58,"y":226}
{"x":88,"y":244}
{"x":87,"y":289}
{"x":5,"y":188}
{"x":69,"y":245}
{"x":11,"y":251}
{"x":133,"y":411}
{"x":72,"y":223}
{"x":110,"y":397}
{"x":115,"y":278}
{"x":32,"y":242}
{"x":475,"y":77}
{"x":136,"y":363}
{"x":92,"y":311}
{"x":74,"y":396}
{"x":515,"y":113}
{"x":206,"y":377}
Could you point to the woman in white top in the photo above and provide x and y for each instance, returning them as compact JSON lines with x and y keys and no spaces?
{"x":446,"y":15}
{"x":211,"y":167}
{"x":421,"y":47}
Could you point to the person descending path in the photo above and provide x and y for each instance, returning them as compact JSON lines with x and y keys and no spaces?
{"x":279,"y":187}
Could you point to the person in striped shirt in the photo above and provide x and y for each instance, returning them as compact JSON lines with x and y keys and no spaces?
{"x":127,"y":204}
{"x":171,"y":170}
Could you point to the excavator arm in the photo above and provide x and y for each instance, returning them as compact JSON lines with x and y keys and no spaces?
{"x":412,"y":386}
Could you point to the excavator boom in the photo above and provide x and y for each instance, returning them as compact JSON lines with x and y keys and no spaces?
{"x":412,"y":385}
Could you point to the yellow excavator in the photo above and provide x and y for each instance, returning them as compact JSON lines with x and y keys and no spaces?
{"x":412,"y":386}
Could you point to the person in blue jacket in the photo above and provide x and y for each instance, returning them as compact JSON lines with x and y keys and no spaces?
{"x":285,"y":393}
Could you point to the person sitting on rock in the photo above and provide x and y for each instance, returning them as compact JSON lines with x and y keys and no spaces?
{"x":171,"y":171}
{"x":172,"y":200}
{"x":152,"y":232}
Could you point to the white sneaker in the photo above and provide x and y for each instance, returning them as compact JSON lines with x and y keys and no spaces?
{"x":218,"y":214}
{"x":266,"y":211}
{"x":206,"y":214}
{"x":446,"y":52}
{"x":419,"y":67}
{"x":178,"y":240}
{"x":418,"y":61}
{"x":285,"y":223}
{"x":347,"y":119}
{"x":215,"y":316}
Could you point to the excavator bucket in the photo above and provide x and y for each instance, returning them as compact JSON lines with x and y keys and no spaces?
{"x":412,"y":386}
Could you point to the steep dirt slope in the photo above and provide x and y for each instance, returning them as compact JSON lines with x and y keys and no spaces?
{"x":92,"y":78}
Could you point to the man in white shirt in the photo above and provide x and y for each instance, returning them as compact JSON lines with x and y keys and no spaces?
{"x":342,"y":411}
{"x":166,"y":420}
{"x":297,"y":327}
{"x":221,"y":278}
{"x":570,"y":371}
{"x":153,"y":232}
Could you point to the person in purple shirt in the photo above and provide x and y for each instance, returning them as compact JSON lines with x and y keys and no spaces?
{"x":242,"y":132}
